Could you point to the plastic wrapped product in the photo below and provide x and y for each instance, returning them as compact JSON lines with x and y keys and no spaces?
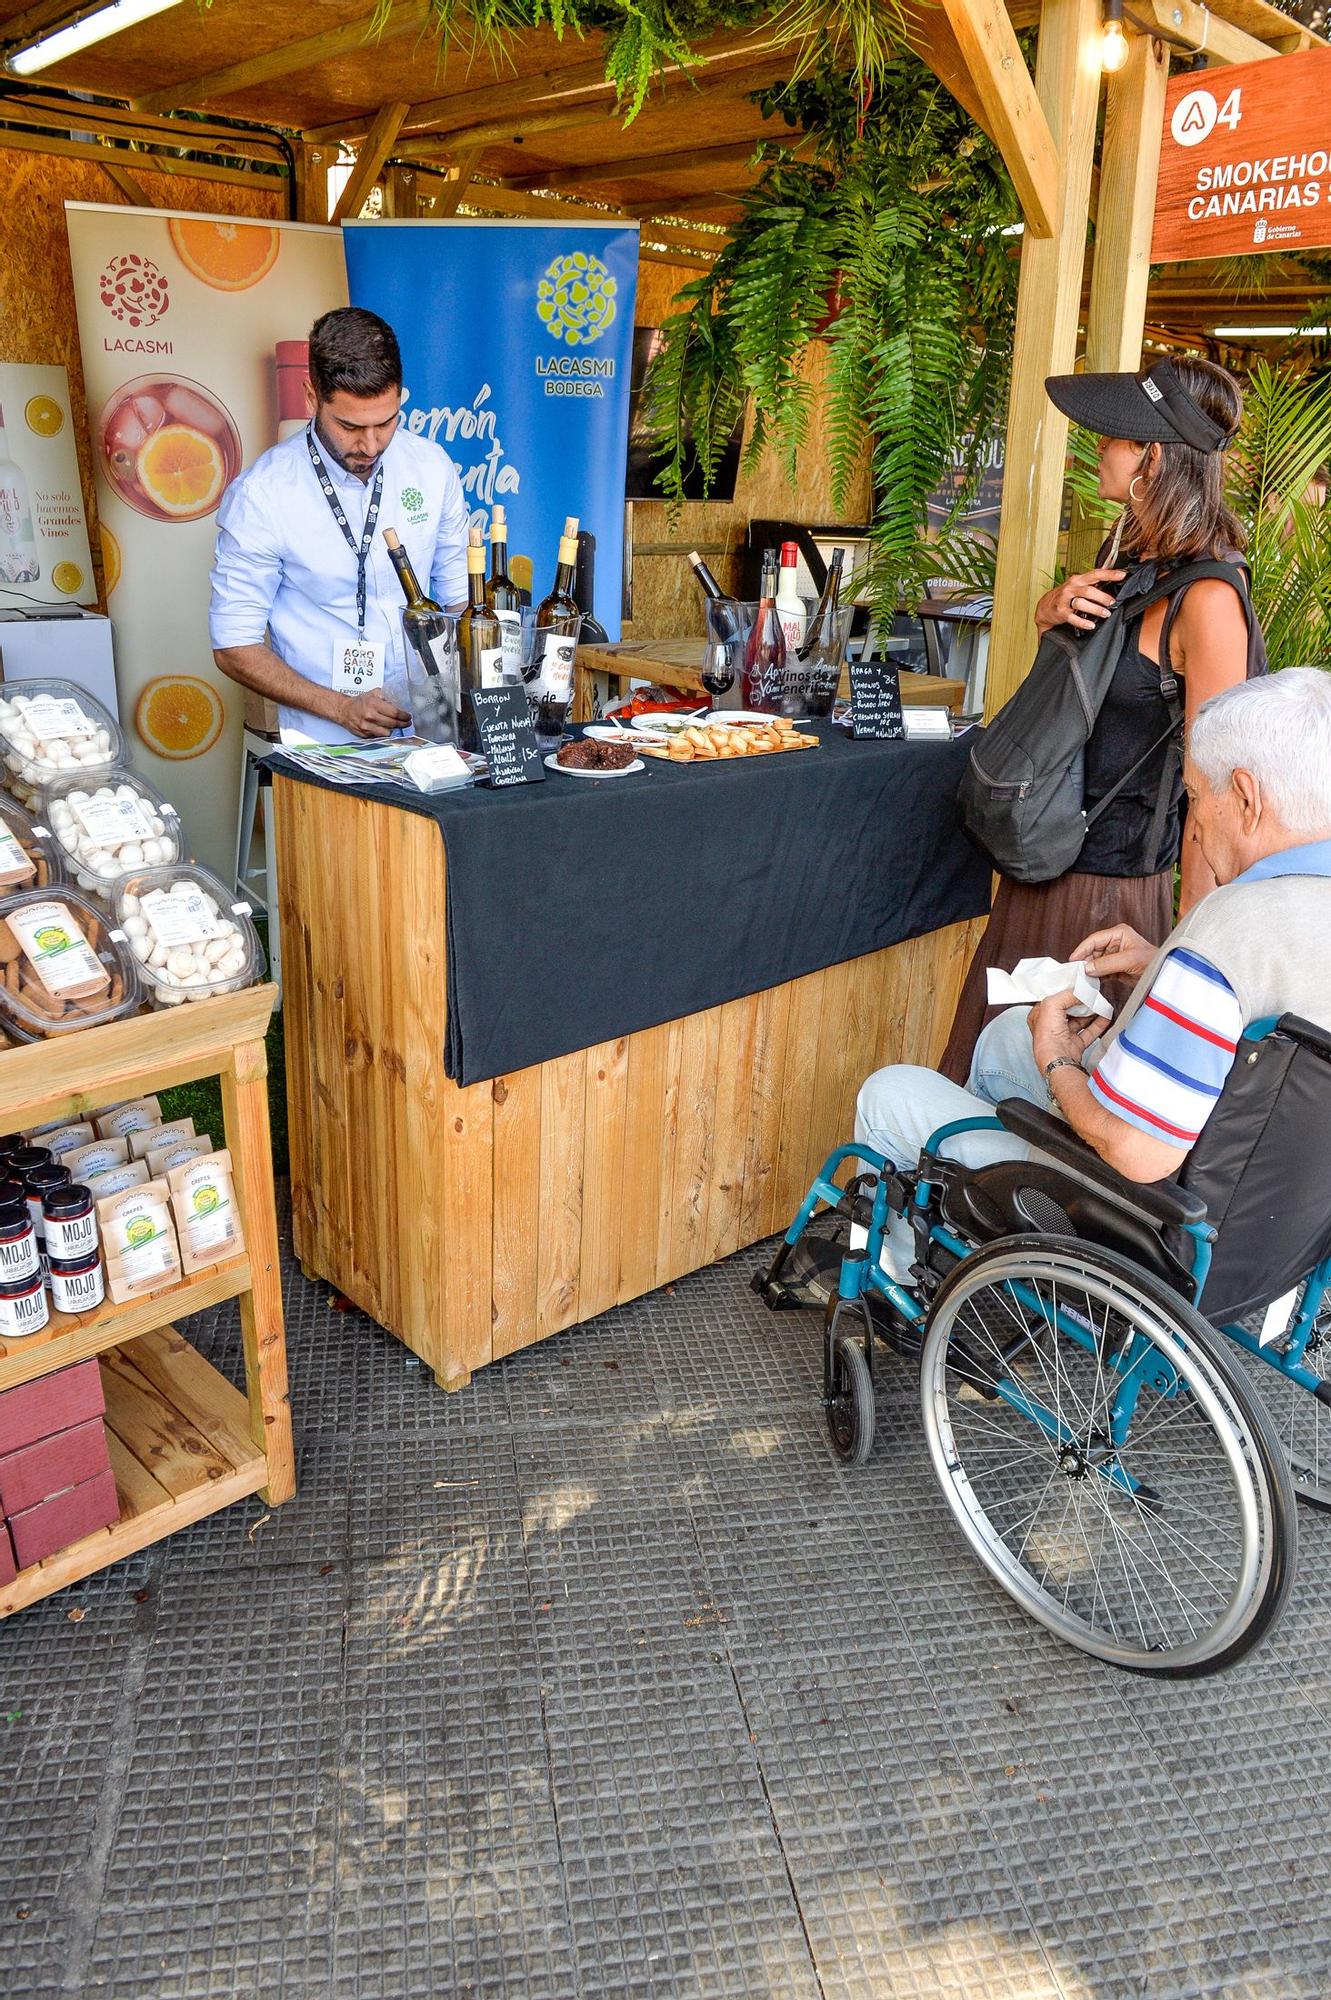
{"x":138,"y":1114}
{"x":141,"y":1143}
{"x":139,"y":1241}
{"x":107,"y":828}
{"x":62,"y":966}
{"x":30,"y":856}
{"x":191,"y":938}
{"x":177,"y":1153}
{"x":51,"y":727}
{"x":88,"y":1161}
{"x":204,"y":1203}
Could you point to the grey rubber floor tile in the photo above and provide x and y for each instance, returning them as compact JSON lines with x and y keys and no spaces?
{"x":307,"y":1531}
{"x":275,"y":1943}
{"x":495,"y":1931}
{"x":34,"y":1942}
{"x":429,"y":1492}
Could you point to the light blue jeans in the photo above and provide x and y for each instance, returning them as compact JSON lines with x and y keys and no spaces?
{"x":900,"y":1106}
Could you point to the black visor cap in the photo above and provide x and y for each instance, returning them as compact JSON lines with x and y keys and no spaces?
{"x":1152,"y":408}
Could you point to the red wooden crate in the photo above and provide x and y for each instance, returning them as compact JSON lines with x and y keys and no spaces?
{"x":71,"y":1457}
{"x":64,"y":1518}
{"x":52,"y":1403}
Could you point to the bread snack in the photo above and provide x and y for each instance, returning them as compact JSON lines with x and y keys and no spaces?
{"x":204,"y":1203}
{"x":106,"y":828}
{"x":54,"y":726}
{"x":190,"y":936}
{"x":718,"y":742}
{"x":29,"y":857}
{"x":61,"y":966}
{"x":138,"y":1241}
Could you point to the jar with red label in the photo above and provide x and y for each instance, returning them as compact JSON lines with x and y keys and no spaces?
{"x":23,"y":1307}
{"x":77,"y":1283}
{"x":18,"y":1241}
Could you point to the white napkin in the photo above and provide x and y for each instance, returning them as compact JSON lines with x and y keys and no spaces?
{"x":1038,"y":978}
{"x":436,"y":768}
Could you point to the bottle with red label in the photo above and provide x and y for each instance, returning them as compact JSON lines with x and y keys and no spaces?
{"x":790,"y":606}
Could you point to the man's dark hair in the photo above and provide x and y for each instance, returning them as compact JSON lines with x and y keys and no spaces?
{"x":356,"y":351}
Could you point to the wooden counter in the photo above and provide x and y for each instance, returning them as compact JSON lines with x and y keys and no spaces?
{"x":677,"y":661}
{"x":472,"y":1222}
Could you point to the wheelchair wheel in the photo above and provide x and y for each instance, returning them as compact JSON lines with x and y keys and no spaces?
{"x":1301,"y":1422}
{"x":850,"y":1404}
{"x":1164,"y":1544}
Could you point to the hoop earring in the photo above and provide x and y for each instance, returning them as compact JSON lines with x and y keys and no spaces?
{"x":1133,"y":484}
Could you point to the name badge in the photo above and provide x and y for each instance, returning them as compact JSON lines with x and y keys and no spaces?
{"x":358,"y":666}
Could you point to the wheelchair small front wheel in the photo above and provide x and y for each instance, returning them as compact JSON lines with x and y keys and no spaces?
{"x":1105,"y":1460}
{"x":850,"y":1404}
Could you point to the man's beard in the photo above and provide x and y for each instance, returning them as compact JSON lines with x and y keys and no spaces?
{"x":360,"y":465}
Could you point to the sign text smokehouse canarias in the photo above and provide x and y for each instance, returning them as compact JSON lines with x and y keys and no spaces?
{"x":1245,"y":162}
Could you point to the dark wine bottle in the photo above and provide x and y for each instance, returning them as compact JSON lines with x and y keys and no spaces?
{"x":822,"y":654}
{"x":593,"y":632}
{"x":503,"y":596}
{"x":428,"y":631}
{"x":823,"y":622}
{"x":480,"y":646}
{"x":765,"y":654}
{"x":707,"y":583}
{"x":557,"y":621}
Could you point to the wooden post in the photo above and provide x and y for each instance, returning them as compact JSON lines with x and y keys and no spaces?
{"x":399,"y":194}
{"x":245,"y":1116}
{"x":369,"y":161}
{"x":1121,"y":259}
{"x":312,"y":164}
{"x":1067,"y":80}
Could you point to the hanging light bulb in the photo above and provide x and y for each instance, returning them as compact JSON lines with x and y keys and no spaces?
{"x":1113,"y":41}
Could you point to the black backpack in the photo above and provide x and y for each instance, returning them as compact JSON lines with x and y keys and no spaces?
{"x":1021,"y":795}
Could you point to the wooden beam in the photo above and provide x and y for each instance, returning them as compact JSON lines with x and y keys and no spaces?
{"x":460,"y":108}
{"x":407,"y":17}
{"x":1199,"y":28}
{"x":673,"y":205}
{"x":121,"y":121}
{"x":157,"y":163}
{"x":1121,"y":259}
{"x":1013,"y":112}
{"x":632,"y":168}
{"x":34,"y":21}
{"x":133,"y":191}
{"x":929,"y":35}
{"x":369,"y":162}
{"x":312,"y":165}
{"x":512,"y":201}
{"x":1067,"y":78}
{"x":446,"y":202}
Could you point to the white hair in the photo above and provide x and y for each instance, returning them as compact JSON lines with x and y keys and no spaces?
{"x":1279,"y":729}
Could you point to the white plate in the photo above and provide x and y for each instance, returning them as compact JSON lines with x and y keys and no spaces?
{"x":552,"y":763}
{"x":601,"y":732}
{"x":667,"y":724}
{"x":674,"y":725}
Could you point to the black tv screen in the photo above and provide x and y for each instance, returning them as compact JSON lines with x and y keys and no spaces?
{"x":644,"y":464}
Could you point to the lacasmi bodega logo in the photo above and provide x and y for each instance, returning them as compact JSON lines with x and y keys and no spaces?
{"x":576,"y":303}
{"x":134,"y":290}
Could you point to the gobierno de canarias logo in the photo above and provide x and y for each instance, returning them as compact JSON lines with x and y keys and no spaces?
{"x":575,"y":299}
{"x":133,"y":289}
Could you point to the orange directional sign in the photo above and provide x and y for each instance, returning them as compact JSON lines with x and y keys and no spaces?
{"x":1245,"y":163}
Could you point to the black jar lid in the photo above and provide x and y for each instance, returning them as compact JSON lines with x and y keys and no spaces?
{"x":24,"y":1158}
{"x":14,"y":1215}
{"x":12,"y":1188}
{"x":50,"y":1176}
{"x":21,"y":1288}
{"x":69,"y":1199}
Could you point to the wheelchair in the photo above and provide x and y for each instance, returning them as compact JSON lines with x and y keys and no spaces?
{"x":1118,"y":1441}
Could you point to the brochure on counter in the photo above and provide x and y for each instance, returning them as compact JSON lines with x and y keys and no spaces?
{"x":382,"y":763}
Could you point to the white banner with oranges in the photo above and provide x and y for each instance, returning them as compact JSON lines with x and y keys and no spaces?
{"x":44,"y":555}
{"x":179,"y":321}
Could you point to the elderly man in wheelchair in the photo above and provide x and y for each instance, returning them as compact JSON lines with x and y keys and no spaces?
{"x":1059,"y":1243}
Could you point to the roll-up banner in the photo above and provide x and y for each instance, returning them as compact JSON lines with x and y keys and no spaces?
{"x":179,"y":319}
{"x":517,"y":339}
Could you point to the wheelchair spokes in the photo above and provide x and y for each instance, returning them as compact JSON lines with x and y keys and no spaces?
{"x":1102,"y":1461}
{"x":1287,"y":1377}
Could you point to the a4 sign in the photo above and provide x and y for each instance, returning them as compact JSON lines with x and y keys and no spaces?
{"x":1245,"y":163}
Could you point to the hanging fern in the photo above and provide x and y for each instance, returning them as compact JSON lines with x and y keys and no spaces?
{"x":901,"y":213}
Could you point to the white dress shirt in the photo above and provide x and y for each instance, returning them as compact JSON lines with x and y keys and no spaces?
{"x":283,"y":570}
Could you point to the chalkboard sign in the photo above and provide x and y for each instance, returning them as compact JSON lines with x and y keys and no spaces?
{"x":508,"y":741}
{"x":875,"y":699}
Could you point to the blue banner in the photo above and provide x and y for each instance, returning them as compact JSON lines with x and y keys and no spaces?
{"x":517,"y":339}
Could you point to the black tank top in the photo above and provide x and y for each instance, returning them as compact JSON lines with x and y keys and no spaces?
{"x":1134,"y":716}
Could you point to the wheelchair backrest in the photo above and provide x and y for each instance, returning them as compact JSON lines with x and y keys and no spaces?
{"x":1263,"y":1167}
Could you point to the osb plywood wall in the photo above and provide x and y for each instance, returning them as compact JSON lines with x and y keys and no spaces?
{"x":37,"y":318}
{"x":666,"y":600}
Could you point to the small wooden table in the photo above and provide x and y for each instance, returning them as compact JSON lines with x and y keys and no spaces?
{"x":677,"y":662}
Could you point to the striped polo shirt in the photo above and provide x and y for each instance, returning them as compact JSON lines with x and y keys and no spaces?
{"x":1165,"y":1072}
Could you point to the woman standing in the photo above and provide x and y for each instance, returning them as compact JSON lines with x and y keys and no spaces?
{"x":1162,"y":442}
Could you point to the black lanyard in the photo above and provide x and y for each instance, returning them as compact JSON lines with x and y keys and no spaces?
{"x":372,"y":515}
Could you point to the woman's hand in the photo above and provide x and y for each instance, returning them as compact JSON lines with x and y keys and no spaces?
{"x":1079,"y":602}
{"x":1118,"y":953}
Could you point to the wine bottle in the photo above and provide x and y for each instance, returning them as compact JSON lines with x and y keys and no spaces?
{"x":557,"y":621}
{"x":503,"y":596}
{"x":822,"y":650}
{"x":428,"y":632}
{"x":480,"y":644}
{"x":593,"y":632}
{"x":765,"y":654}
{"x":18,"y":544}
{"x":707,"y":583}
{"x":789,"y":604}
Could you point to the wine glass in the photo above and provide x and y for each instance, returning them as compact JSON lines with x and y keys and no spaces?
{"x":728,"y":623}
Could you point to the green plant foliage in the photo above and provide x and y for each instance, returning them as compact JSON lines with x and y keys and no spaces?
{"x":1284,"y":442}
{"x":897,"y":215}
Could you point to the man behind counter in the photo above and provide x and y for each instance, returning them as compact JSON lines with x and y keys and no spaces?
{"x":306,"y":606}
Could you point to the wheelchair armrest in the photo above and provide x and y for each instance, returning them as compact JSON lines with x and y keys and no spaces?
{"x":1161,"y":1201}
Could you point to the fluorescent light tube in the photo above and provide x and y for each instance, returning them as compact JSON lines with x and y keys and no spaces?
{"x":1268,"y":332}
{"x":82,"y":33}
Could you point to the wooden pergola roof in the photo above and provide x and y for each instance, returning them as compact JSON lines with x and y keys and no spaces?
{"x":544,"y":128}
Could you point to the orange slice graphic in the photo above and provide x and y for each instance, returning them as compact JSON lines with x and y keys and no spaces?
{"x":179,"y":716}
{"x":110,"y":559}
{"x":67,"y":576}
{"x":45,"y":418}
{"x":181,"y":471}
{"x":230,"y":256}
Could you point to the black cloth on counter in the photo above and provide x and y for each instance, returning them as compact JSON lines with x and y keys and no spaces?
{"x":583,"y":909}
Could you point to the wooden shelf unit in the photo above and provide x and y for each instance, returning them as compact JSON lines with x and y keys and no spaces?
{"x":183,"y":1441}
